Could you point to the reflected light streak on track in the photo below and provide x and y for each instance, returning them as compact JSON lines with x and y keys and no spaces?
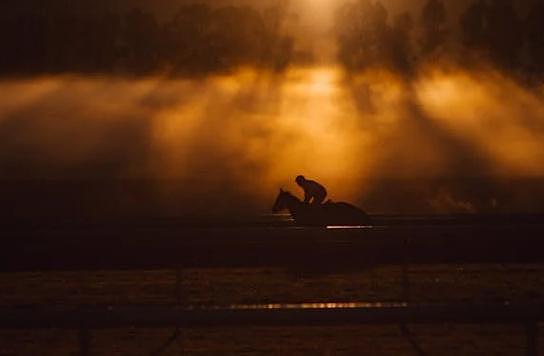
{"x":308,"y":306}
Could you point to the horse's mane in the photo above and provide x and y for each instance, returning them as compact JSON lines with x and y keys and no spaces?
{"x":291,"y":195}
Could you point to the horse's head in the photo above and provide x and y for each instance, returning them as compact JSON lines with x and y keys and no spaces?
{"x":283,"y":201}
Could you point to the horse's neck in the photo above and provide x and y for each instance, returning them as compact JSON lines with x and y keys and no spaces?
{"x":294,"y":204}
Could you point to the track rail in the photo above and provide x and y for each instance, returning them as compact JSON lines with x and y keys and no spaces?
{"x":161,"y":316}
{"x":154,"y":248}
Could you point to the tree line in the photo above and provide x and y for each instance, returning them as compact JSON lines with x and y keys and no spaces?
{"x":487,"y":29}
{"x":196,"y":39}
{"x":199,"y":38}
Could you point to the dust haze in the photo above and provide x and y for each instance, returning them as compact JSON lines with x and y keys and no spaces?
{"x":235,"y":139}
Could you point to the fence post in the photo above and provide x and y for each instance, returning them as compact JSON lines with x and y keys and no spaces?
{"x":532,"y":338}
{"x":178,"y":285}
{"x":84,"y":337}
{"x":406,"y":295}
{"x":176,"y":335}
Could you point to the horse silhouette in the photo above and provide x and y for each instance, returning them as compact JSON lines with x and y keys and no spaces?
{"x":328,"y":214}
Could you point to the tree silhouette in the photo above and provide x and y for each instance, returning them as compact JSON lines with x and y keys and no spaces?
{"x":505,"y":33}
{"x":188,"y":42}
{"x":139,"y":41}
{"x":92,"y":37}
{"x":535,"y":39}
{"x":353,"y":33}
{"x":363,"y":35}
{"x":243,"y":42}
{"x":279,"y":47}
{"x":366,"y":38}
{"x":474,"y":26}
{"x":496,"y":31}
{"x":401,"y":42}
{"x":433,"y":26}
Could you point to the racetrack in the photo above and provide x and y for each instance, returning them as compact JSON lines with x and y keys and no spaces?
{"x":319,"y":280}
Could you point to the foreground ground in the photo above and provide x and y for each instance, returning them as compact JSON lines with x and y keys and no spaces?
{"x":454,"y":283}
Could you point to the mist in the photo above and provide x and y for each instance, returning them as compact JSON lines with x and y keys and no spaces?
{"x":449,"y":141}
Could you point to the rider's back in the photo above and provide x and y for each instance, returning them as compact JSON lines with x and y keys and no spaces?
{"x":315,"y":188}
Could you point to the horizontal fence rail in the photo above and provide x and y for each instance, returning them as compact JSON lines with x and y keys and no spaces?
{"x":352,"y":248}
{"x":161,"y":316}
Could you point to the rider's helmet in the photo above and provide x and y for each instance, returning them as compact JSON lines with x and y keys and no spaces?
{"x":300,"y":180}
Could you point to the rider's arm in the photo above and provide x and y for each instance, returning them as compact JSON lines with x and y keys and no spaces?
{"x":307,"y":196}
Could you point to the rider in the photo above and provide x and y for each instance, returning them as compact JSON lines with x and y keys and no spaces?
{"x":314,"y":192}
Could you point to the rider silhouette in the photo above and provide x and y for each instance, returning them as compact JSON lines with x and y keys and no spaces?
{"x":314,"y":192}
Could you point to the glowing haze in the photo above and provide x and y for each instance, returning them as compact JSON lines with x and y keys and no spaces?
{"x":252,"y":131}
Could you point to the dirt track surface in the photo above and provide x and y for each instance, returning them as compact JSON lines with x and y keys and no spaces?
{"x":455,"y":283}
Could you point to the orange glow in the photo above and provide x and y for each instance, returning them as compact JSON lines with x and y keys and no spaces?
{"x":305,"y":123}
{"x":497,"y":116}
{"x":255,"y":131}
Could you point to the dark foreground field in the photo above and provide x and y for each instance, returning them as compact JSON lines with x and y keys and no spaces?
{"x":506,"y":276}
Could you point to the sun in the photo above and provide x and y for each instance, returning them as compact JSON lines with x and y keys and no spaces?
{"x":319,"y":13}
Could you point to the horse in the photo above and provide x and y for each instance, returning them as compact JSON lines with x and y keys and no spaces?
{"x":328,"y":214}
